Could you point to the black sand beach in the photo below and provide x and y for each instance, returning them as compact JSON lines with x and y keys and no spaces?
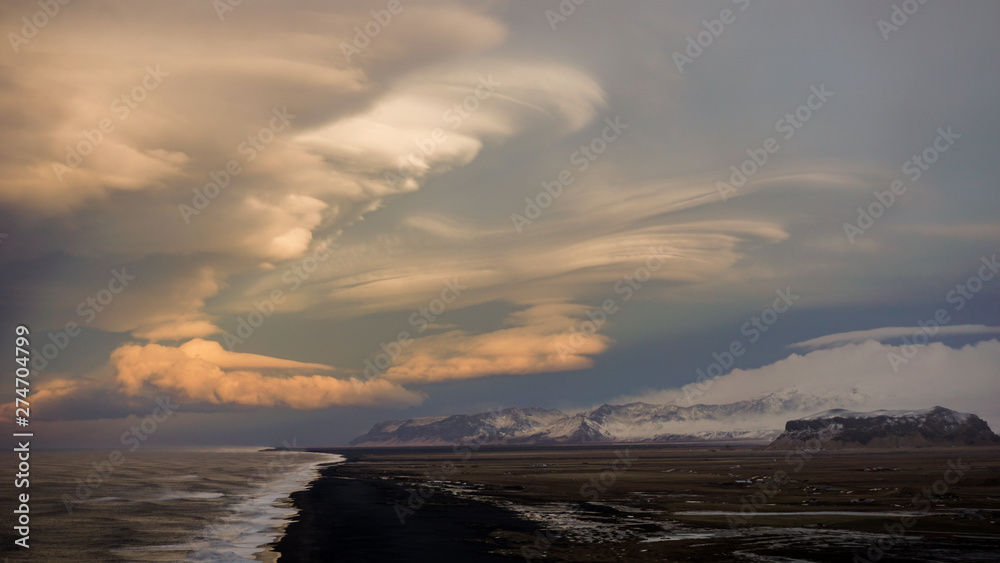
{"x":652,"y":503}
{"x":354,"y":519}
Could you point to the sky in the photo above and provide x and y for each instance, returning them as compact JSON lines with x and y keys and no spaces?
{"x":288,"y":221}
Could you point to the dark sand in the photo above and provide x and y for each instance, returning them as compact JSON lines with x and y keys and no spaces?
{"x":640,"y":515}
{"x":351,"y":519}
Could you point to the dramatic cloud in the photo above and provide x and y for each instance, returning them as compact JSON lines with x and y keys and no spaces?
{"x":544,"y":338}
{"x":201,"y":371}
{"x":176,"y":104}
{"x":437,"y":119}
{"x":314,"y":143}
{"x":68,"y":397}
{"x":279,"y":160}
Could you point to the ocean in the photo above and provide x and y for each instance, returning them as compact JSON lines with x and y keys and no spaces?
{"x":209,"y":504}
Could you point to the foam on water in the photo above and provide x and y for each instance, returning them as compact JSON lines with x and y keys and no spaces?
{"x":257,"y":520}
{"x":188,"y":496}
{"x":252,"y":517}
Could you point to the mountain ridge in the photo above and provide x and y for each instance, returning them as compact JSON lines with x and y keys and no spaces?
{"x":841,"y":428}
{"x":760,"y":418}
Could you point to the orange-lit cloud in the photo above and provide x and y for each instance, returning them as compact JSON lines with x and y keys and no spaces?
{"x":202,"y":371}
{"x":51,"y":390}
{"x":539,"y":339}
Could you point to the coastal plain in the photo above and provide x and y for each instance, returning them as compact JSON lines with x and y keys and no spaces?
{"x":678,"y":502}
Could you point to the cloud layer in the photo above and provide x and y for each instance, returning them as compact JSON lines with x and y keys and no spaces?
{"x":890,"y":333}
{"x":963,"y":379}
{"x":202,"y":371}
{"x":273,"y":163}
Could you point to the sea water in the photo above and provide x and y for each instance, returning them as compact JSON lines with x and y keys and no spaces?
{"x":210,"y":504}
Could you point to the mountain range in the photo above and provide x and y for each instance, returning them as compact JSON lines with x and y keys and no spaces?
{"x":760,"y":418}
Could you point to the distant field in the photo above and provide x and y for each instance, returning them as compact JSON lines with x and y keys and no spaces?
{"x":687,"y":503}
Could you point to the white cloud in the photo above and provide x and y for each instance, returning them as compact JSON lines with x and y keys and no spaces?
{"x":439,"y":118}
{"x":890,"y":333}
{"x":964,"y":379}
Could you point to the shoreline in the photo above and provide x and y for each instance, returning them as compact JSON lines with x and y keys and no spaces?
{"x":354,"y":518}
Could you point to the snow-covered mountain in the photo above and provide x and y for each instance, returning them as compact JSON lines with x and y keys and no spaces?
{"x":839,"y":428}
{"x":760,"y":418}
